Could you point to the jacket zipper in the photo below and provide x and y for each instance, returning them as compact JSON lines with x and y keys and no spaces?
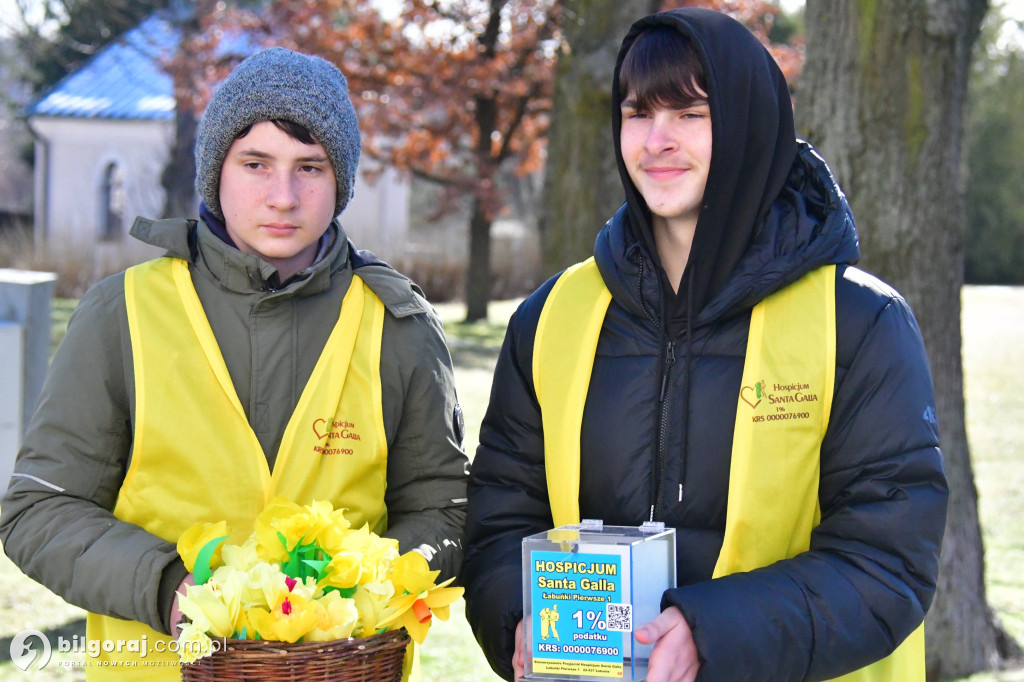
{"x":659,"y":471}
{"x":658,"y":465}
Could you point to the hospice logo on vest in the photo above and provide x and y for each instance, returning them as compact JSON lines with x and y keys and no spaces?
{"x":335,"y":437}
{"x":773,"y":401}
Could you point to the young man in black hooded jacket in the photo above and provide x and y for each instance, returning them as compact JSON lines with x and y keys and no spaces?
{"x":742,"y":383}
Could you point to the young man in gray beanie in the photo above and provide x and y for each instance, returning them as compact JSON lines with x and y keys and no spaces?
{"x":263,"y":355}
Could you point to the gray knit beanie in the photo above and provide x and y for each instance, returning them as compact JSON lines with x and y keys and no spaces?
{"x":279,"y":84}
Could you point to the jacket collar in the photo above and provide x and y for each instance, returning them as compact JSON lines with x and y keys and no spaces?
{"x":809,"y":225}
{"x":243,"y":273}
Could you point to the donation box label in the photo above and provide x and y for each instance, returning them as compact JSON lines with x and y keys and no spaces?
{"x":579,"y":614}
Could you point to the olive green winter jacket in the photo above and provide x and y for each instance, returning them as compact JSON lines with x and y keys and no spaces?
{"x":56,"y":522}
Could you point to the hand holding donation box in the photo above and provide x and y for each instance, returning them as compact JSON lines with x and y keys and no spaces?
{"x":585,"y":588}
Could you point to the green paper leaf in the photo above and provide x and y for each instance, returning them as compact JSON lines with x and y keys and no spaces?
{"x":202,"y":569}
{"x":291,"y":566}
{"x":318,"y":566}
{"x":307,"y":553}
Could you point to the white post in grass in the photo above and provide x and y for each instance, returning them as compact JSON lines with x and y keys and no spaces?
{"x":25,"y":298}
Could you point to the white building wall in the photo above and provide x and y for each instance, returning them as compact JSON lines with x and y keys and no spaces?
{"x":78,"y":152}
{"x":377,"y":218}
{"x":72,"y":155}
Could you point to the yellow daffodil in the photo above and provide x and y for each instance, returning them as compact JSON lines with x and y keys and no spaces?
{"x":377,"y":553}
{"x":417,"y":599}
{"x":339,"y":619}
{"x":304,"y":525}
{"x":205,"y":606}
{"x":268,"y":527}
{"x":316,"y":522}
{"x":264,"y":584}
{"x":370,"y":600}
{"x":276,"y":585}
{"x":307,"y":588}
{"x":327,"y":525}
{"x":193,"y":540}
{"x":243,"y":628}
{"x":289,"y":621}
{"x":193,"y":643}
{"x":411,"y":573}
{"x":244,"y":556}
{"x":231,"y":584}
{"x":330,"y":538}
{"x":345,"y":570}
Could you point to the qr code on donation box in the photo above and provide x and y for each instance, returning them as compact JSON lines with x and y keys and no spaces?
{"x":619,"y":617}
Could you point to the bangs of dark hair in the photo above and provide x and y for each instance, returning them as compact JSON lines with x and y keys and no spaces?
{"x":289,"y":128}
{"x":662,"y":69}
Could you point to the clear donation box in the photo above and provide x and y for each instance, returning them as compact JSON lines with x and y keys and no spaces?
{"x":585,"y":588}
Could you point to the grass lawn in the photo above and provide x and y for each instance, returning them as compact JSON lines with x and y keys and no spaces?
{"x":993,"y":335}
{"x":993,"y":329}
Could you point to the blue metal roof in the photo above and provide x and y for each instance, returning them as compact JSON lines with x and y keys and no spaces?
{"x":123,"y":80}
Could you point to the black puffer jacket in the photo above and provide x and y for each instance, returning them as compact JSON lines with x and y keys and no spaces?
{"x":657,"y":438}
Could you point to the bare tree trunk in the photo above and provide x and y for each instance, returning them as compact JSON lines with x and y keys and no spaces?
{"x":882,"y":96}
{"x":582,"y":187}
{"x":478,"y":275}
{"x":179,"y":174}
{"x":478,"y":270}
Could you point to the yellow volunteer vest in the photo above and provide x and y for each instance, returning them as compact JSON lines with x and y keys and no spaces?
{"x":782,"y":409}
{"x":195,"y":457}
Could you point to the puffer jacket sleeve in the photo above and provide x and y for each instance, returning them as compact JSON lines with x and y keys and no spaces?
{"x":427,"y":469}
{"x":871,"y":571}
{"x":57,"y":524}
{"x":508,"y":497}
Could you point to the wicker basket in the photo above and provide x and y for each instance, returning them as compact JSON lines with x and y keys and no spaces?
{"x":377,"y":658}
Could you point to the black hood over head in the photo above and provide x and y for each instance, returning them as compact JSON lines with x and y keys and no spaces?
{"x":753,"y":149}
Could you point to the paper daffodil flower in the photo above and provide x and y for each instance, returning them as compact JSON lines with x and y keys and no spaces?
{"x":303,"y":574}
{"x":289,"y":621}
{"x":327,"y":526}
{"x":194,"y":540}
{"x":268,"y":533}
{"x":193,"y":643}
{"x":371,"y":600}
{"x":344,"y":571}
{"x":242,"y":557}
{"x":339,"y":619}
{"x":264,"y":585}
{"x":212,"y":606}
{"x":377,"y":553}
{"x":298,"y":524}
{"x":417,"y":599}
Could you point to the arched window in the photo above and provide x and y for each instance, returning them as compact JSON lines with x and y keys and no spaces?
{"x":112,"y":204}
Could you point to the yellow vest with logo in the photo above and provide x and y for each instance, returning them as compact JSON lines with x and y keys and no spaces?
{"x":195,"y":457}
{"x":782,"y":413}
